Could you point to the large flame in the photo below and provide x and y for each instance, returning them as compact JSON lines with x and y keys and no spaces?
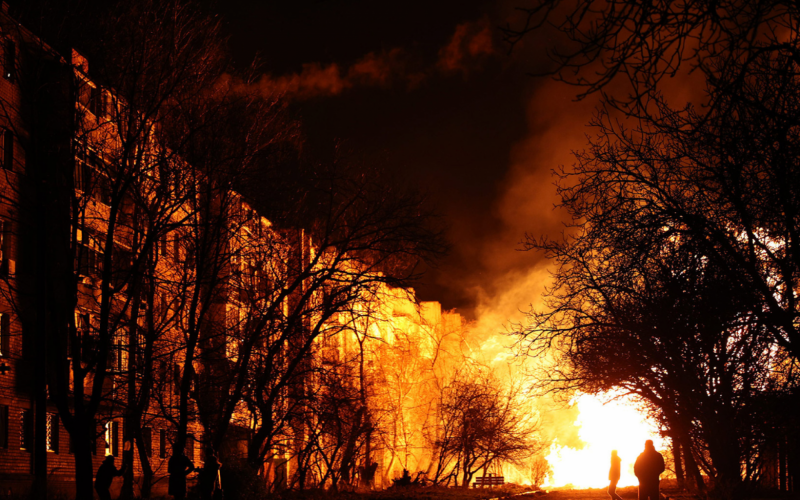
{"x":616,"y":425}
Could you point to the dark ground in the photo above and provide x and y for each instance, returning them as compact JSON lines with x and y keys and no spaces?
{"x":507,"y":492}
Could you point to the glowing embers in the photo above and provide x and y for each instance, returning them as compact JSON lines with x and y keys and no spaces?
{"x":617,"y":425}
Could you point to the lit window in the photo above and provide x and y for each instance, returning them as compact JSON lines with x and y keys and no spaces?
{"x":51,"y":433}
{"x":112,"y":438}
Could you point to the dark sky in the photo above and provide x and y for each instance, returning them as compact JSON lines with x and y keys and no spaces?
{"x":428,"y":89}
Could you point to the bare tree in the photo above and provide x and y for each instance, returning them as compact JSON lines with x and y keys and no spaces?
{"x":484,"y":423}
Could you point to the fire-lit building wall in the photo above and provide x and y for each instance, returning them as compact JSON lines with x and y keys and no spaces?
{"x":407,"y":347}
{"x":17,"y":342}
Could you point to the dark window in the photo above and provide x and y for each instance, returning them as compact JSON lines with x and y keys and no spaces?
{"x":10,"y":60}
{"x":94,"y":437}
{"x":3,"y":426}
{"x":121,"y":264}
{"x":5,"y":334}
{"x":95,"y":101}
{"x":90,"y":262}
{"x":189,"y":450}
{"x":176,"y":248}
{"x":78,"y":177}
{"x":176,"y":379}
{"x":162,"y":443}
{"x":89,"y":258}
{"x":147,"y":437}
{"x":6,"y":265}
{"x":26,"y":430}
{"x":8,"y":149}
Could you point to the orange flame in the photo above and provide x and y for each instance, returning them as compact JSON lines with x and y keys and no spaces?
{"x":617,"y":425}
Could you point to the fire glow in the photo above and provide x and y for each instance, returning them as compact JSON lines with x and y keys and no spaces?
{"x":617,"y":425}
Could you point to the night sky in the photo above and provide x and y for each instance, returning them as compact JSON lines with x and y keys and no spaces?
{"x":430,"y":91}
{"x":443,"y":103}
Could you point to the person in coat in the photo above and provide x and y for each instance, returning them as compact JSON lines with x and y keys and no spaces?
{"x":648,"y":467}
{"x":105,"y":476}
{"x":179,"y":466}
{"x":613,"y":475}
{"x":208,"y":477}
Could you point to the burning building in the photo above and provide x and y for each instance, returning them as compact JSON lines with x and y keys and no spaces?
{"x":148,"y":309}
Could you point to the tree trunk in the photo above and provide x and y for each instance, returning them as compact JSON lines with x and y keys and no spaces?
{"x":678,"y":459}
{"x":692,"y":470}
{"x":84,"y":468}
{"x":147,"y":470}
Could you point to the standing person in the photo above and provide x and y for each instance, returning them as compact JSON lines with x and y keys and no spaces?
{"x":179,"y":467}
{"x":613,"y":475}
{"x":105,"y":476}
{"x":649,"y":465}
{"x":208,"y":477}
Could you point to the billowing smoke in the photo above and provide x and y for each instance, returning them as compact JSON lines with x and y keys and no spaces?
{"x":468,"y":44}
{"x":468,"y":47}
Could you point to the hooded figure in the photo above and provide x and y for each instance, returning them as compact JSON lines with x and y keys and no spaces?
{"x":649,"y":465}
{"x":613,"y":475}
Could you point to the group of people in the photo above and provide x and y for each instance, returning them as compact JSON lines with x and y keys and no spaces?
{"x":648,"y":467}
{"x":179,"y":467}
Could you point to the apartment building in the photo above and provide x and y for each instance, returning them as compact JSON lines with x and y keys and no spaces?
{"x":119,"y":262}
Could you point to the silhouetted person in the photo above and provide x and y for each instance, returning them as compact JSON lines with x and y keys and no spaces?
{"x":613,"y":475}
{"x":208,"y":477}
{"x":649,"y":465}
{"x":105,"y":476}
{"x":179,"y":467}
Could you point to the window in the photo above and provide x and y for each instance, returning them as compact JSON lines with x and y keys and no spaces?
{"x":8,"y":149}
{"x":3,"y":426}
{"x":5,"y":334}
{"x":189,"y":450}
{"x":94,"y":437}
{"x":122,"y":264}
{"x":26,"y":430}
{"x":162,"y":443}
{"x":176,"y":378}
{"x":95,"y":101}
{"x":9,"y":60}
{"x":89,"y":257}
{"x":162,"y":244}
{"x":147,"y":437}
{"x":118,"y":352}
{"x":233,"y":338}
{"x":89,"y":175}
{"x":78,"y":175}
{"x":51,"y":436}
{"x":112,"y":438}
{"x":7,"y":265}
{"x":176,"y":248}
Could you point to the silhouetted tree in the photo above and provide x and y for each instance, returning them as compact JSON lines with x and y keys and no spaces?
{"x":482,"y":423}
{"x":719,"y":178}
